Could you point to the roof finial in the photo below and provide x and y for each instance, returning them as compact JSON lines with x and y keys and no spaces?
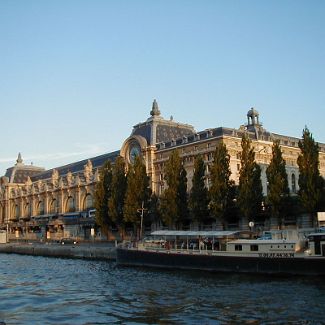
{"x":155,"y":109}
{"x":19,"y":159}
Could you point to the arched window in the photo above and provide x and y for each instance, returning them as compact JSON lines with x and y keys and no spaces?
{"x":53,"y":206}
{"x":88,"y":202}
{"x":30,"y":210}
{"x":293,"y":183}
{"x":70,"y":207}
{"x":40,"y":208}
{"x":14,"y":211}
{"x":27,"y":210}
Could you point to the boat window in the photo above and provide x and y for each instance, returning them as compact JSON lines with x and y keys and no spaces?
{"x":291,"y":246}
{"x":254,"y":248}
{"x":238,"y":248}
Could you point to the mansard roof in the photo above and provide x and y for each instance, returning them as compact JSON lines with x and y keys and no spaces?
{"x":20,"y":172}
{"x":78,"y":166}
{"x":157,"y":129}
{"x":260,"y":134}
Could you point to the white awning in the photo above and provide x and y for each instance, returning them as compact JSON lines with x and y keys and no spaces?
{"x":189,"y":233}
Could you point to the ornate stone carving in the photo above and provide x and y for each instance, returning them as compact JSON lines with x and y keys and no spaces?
{"x":96,"y":176}
{"x":55,"y":177}
{"x":88,"y":171}
{"x":69,"y":178}
{"x":28,"y":182}
{"x":77,"y":180}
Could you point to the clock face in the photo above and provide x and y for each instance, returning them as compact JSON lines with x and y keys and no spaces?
{"x":134,"y":152}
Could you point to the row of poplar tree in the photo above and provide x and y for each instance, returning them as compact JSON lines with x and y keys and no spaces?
{"x":120,"y":195}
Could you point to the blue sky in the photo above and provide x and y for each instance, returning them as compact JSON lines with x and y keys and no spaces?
{"x":75,"y":76}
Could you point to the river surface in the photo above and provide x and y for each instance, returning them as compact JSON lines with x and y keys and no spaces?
{"x":40,"y":290}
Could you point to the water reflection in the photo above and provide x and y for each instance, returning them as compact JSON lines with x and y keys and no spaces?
{"x":38,"y":290}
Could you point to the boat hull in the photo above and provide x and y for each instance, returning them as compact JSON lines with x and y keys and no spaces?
{"x":221,"y":263}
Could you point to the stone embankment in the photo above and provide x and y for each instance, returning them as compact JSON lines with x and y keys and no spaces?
{"x":81,"y":251}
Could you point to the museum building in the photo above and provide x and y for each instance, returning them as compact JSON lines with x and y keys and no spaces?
{"x":51,"y":204}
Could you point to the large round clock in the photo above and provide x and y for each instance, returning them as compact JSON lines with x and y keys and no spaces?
{"x":134,"y":152}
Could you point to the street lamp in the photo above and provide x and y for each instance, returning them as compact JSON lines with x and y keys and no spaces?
{"x":141,"y":222}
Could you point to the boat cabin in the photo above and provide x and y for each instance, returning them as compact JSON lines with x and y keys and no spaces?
{"x":265,"y":248}
{"x":316,"y":244}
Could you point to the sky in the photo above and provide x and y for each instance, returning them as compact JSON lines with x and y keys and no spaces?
{"x":77,"y":75}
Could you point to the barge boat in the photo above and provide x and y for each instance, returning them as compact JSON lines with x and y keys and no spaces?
{"x":225,"y":251}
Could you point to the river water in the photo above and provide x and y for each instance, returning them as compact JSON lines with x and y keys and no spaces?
{"x":40,"y":290}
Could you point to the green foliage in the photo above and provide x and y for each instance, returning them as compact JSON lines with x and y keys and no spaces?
{"x":310,"y":181}
{"x":232,"y":213}
{"x":277,"y":178}
{"x":250,"y":187}
{"x":220,"y":188}
{"x":182,"y":198}
{"x":138,"y":191}
{"x":116,"y":201}
{"x":154,"y":209}
{"x":321,"y":206}
{"x":174,"y":199}
{"x":198,"y":201}
{"x":102,"y":195}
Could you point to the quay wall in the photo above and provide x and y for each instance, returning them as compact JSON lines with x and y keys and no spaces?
{"x":93,"y":252}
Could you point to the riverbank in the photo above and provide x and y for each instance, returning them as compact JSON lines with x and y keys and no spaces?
{"x":103,"y":251}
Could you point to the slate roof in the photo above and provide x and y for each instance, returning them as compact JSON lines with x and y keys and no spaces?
{"x":78,"y":166}
{"x":20,"y":174}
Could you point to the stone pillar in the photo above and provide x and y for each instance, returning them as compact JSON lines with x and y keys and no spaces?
{"x":33,"y":206}
{"x":21,"y":208}
{"x":46,"y":203}
{"x":77,"y":199}
{"x":61,"y":204}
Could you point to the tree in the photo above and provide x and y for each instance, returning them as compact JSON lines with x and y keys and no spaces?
{"x":174,"y":199}
{"x":250,"y":187}
{"x":116,"y":201}
{"x":101,"y":197}
{"x":321,"y":206}
{"x":220,"y":188}
{"x":310,"y":181}
{"x":198,"y":200}
{"x":154,"y":209}
{"x":137,"y":192}
{"x":277,"y":178}
{"x":182,"y":197}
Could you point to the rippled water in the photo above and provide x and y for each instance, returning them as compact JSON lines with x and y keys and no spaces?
{"x":39,"y":290}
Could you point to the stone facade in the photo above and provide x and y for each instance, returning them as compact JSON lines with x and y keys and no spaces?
{"x":38,"y":203}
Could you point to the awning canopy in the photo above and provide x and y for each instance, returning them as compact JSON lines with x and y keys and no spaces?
{"x":189,"y":233}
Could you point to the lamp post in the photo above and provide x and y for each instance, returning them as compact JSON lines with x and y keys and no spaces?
{"x":141,"y":222}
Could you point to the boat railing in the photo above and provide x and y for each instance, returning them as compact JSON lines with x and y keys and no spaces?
{"x":181,"y":247}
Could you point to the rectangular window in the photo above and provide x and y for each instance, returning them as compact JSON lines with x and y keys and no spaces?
{"x":254,"y":248}
{"x":238,"y":247}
